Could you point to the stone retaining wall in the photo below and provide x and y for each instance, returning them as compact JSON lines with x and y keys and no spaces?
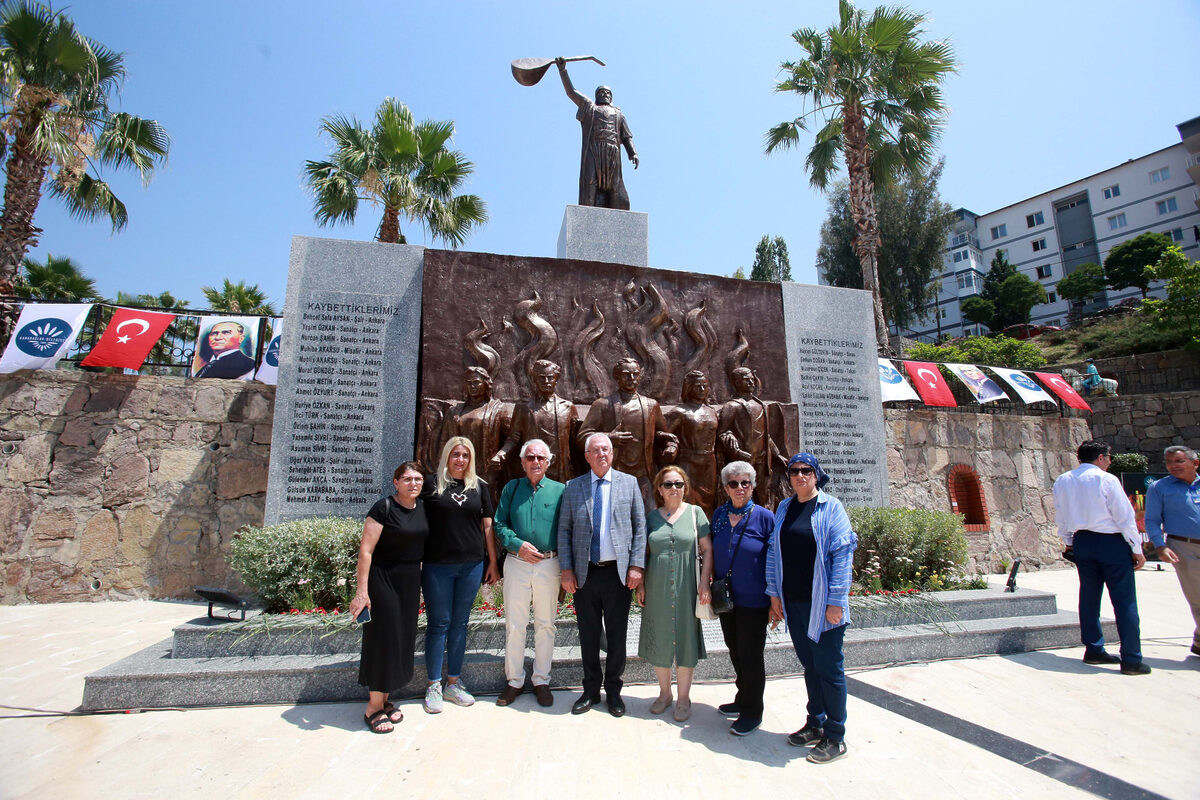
{"x":115,"y":486}
{"x":1016,"y":459}
{"x":119,"y":486}
{"x":1148,"y":373}
{"x":1147,"y":423}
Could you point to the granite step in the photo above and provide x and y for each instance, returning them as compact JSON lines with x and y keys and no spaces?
{"x":152,"y":678}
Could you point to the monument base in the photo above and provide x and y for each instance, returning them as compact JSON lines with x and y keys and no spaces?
{"x":605,"y":234}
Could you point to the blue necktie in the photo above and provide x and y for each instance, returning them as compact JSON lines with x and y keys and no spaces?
{"x":597,"y":517}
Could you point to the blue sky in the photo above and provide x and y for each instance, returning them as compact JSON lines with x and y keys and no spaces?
{"x":1047,"y":92}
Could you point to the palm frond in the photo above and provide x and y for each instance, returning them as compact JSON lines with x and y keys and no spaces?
{"x":91,"y":199}
{"x":129,"y":141}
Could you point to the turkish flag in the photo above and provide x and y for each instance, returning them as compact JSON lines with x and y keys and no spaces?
{"x":1063,"y":388}
{"x":929,"y":383}
{"x":130,"y":336}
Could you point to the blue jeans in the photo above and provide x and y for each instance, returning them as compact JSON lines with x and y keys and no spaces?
{"x":1104,"y":559}
{"x":449,"y":591}
{"x":824,"y":673}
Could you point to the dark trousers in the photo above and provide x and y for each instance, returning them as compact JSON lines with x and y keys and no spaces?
{"x":745,"y":632}
{"x":824,"y":671}
{"x":603,"y":597}
{"x":1104,"y":559}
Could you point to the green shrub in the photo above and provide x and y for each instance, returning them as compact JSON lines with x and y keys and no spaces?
{"x":1128,"y":462}
{"x":303,"y":564}
{"x":901,"y":548}
{"x":998,"y":351}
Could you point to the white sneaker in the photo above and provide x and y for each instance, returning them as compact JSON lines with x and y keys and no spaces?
{"x":433,"y":698}
{"x":457,"y":693}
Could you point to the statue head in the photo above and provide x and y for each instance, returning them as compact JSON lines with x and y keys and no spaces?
{"x":545,"y":375}
{"x":743,"y":380}
{"x":695,"y":387}
{"x":477,"y":384}
{"x":627,"y":372}
{"x":603,"y":96}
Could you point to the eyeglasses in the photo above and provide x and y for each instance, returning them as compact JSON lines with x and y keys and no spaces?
{"x":801,"y":471}
{"x":671,"y":485}
{"x":739,"y":484}
{"x":412,"y":479}
{"x":532,"y":457}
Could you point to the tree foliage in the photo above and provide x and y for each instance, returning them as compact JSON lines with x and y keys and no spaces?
{"x":1180,"y":312}
{"x":1132,"y":263}
{"x":1015,"y":298}
{"x":402,"y":165}
{"x":1084,"y":283}
{"x":238,"y":298}
{"x":874,"y":90}
{"x":57,"y":280}
{"x":771,"y":261}
{"x":57,"y":128}
{"x":913,"y":225}
{"x":739,"y":273}
{"x":978,"y":310}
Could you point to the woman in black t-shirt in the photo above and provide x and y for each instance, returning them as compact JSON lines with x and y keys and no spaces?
{"x":460,"y":554}
{"x":389,"y":581}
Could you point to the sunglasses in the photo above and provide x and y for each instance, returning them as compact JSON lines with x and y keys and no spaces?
{"x":739,"y":484}
{"x":802,"y":471}
{"x":532,"y":457}
{"x":671,"y":485}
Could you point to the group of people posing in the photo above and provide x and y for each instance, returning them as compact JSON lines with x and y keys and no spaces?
{"x":592,"y":538}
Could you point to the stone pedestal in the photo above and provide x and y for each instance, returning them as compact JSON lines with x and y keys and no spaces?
{"x":605,"y":234}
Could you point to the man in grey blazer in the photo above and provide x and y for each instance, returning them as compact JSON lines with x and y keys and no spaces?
{"x":602,"y":550}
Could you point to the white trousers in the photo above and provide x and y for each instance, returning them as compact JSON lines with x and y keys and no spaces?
{"x":525,"y":583}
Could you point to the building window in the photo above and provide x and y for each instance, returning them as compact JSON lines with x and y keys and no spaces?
{"x":1160,"y":175}
{"x":961,"y":255}
{"x":1044,"y":271}
{"x":1166,"y":206}
{"x":1052,"y":297}
{"x":943,"y":313}
{"x":1176,"y":234}
{"x":1034,"y":219}
{"x":1000,"y":230}
{"x":1117,"y":221}
{"x":1112,"y":191}
{"x":1040,"y":244}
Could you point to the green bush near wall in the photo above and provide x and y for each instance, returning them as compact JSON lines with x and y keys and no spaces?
{"x":302,"y":564}
{"x":902,"y":548}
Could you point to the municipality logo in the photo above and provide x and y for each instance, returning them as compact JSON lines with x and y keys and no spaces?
{"x":1020,"y":379}
{"x":272,"y":354}
{"x":889,"y":374}
{"x":43,"y":337}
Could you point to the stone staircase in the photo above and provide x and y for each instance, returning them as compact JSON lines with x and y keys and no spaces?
{"x":214,"y":663}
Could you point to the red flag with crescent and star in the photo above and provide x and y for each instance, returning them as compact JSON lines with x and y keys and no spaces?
{"x":130,"y":336}
{"x":1063,"y":388}
{"x":929,"y":383}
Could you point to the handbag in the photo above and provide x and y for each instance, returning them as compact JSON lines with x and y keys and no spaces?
{"x":722,"y":591}
{"x":703,"y":610}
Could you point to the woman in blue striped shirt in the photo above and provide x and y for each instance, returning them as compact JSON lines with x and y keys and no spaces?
{"x":809,"y":559}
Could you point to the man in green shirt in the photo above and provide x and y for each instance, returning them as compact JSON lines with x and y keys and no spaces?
{"x":526,"y":524}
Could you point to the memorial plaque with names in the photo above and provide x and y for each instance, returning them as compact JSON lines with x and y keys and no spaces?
{"x":344,"y":411}
{"x":834,"y":377}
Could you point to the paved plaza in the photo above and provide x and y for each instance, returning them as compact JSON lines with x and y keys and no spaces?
{"x":1032,"y":725}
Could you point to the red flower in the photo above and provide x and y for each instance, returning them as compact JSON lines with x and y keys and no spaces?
{"x":294,"y":611}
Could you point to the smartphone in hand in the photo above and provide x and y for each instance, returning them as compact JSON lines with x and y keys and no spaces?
{"x":364,"y":616}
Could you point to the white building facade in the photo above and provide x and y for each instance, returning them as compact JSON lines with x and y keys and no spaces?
{"x":1048,"y":236}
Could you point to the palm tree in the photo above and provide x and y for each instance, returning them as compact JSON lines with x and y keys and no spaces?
{"x":876,"y":90}
{"x":55,"y":88}
{"x":238,"y":298}
{"x":58,"y":279}
{"x":401,"y":165}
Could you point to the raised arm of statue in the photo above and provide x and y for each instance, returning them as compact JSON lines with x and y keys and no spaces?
{"x":577,"y":97}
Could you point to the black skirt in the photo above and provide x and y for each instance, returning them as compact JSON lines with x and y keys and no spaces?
{"x":389,"y":639}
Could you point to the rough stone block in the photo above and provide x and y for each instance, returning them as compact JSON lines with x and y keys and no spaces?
{"x":106,"y":399}
{"x":50,"y":581}
{"x":211,"y":404}
{"x":238,"y":477}
{"x":54,"y":524}
{"x":181,"y":465}
{"x":31,"y":462}
{"x":128,"y":480}
{"x":100,"y":540}
{"x":76,"y":433}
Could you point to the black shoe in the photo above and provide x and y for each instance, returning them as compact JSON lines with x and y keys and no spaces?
{"x":744,"y":725}
{"x":827,"y":750}
{"x":616,"y":706}
{"x":584,"y":704}
{"x":1100,"y":657}
{"x":1135,"y":669}
{"x":807,"y":735}
{"x":1196,"y":649}
{"x":729,"y":709}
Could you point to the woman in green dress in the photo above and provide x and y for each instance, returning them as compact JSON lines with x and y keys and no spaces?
{"x":676,"y":533}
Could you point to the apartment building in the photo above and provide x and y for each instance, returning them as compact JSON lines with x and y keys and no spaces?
{"x":1049,"y":235}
